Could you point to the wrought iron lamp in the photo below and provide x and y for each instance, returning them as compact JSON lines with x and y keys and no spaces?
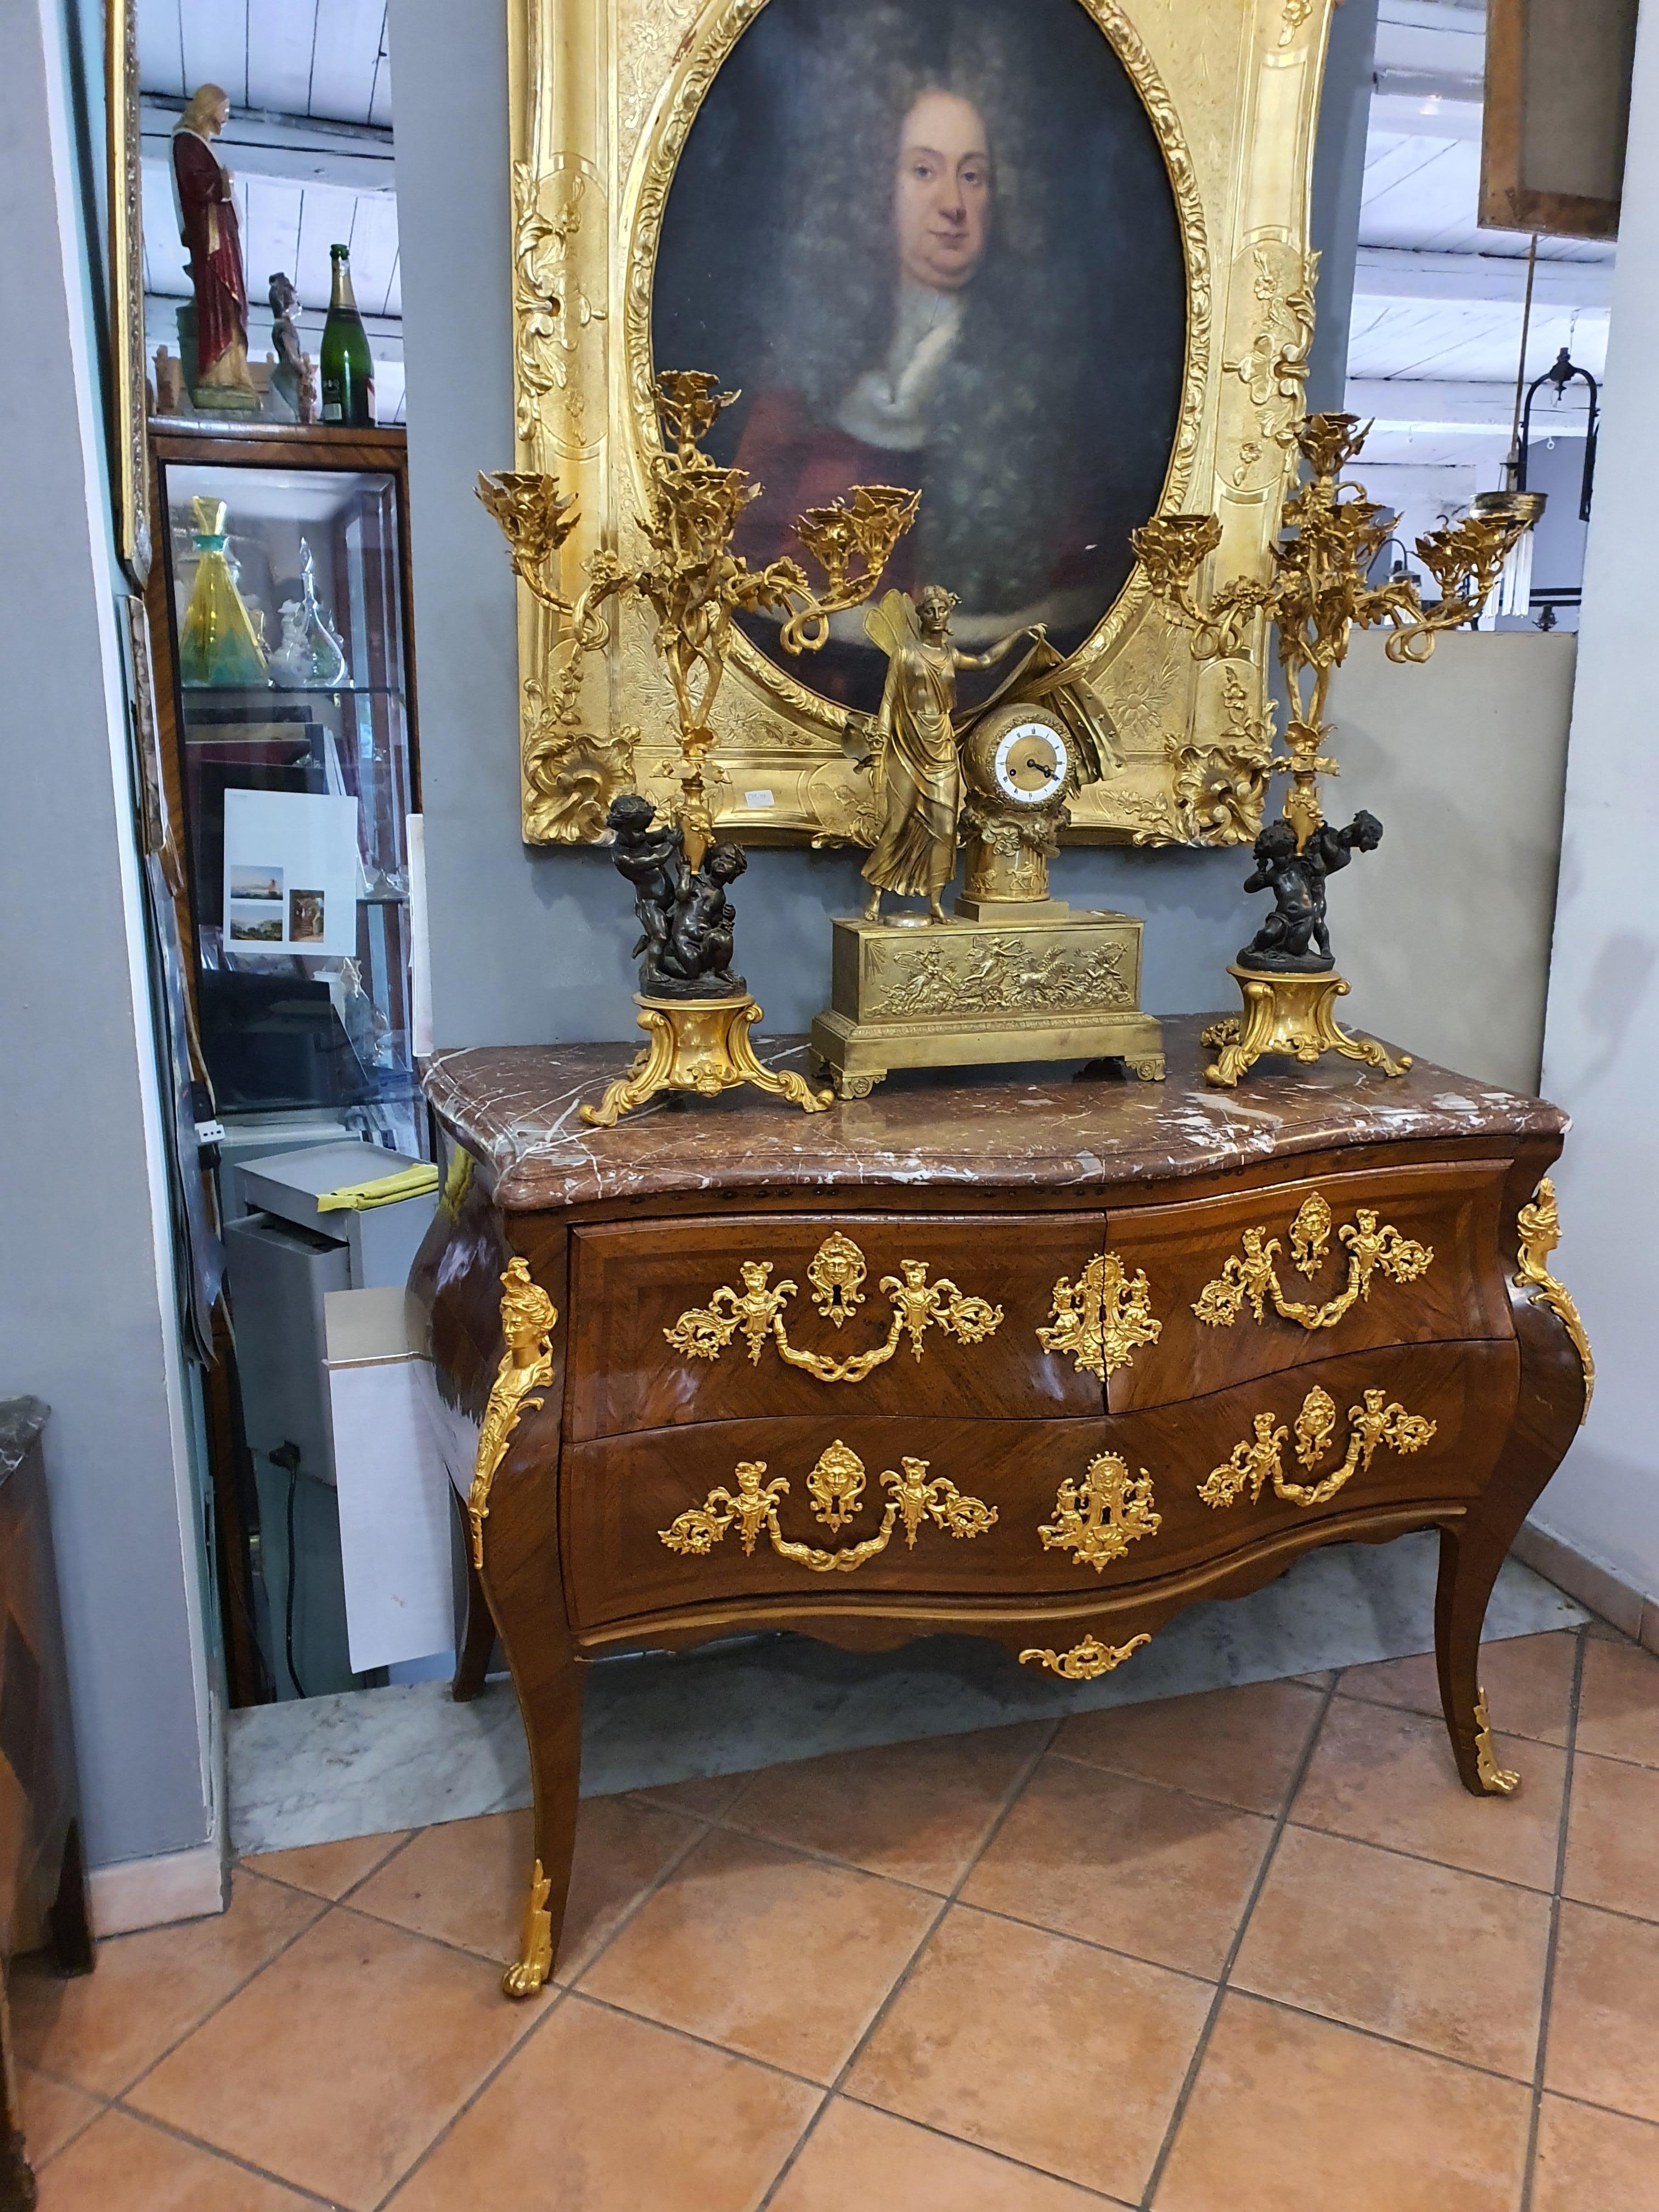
{"x":696,"y":1013}
{"x":1317,"y":597}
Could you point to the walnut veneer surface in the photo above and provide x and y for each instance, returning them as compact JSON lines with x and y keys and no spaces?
{"x":1040,"y":1360}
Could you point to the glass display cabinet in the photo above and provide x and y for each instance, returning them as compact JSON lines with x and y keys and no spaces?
{"x":279,"y":614}
{"x":284,"y":696}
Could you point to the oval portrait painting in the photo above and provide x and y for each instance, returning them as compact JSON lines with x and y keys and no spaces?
{"x":933,"y":243}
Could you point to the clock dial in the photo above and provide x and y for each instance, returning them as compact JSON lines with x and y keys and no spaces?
{"x":1031,"y":764}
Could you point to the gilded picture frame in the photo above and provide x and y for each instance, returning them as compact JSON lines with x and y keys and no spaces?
{"x":603,"y":95}
{"x":129,"y":438}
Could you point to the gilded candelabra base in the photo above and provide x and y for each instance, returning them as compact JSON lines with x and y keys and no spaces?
{"x":700,"y":1045}
{"x":1290,"y":1014}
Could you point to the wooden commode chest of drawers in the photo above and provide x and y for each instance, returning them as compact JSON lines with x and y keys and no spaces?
{"x":1040,"y":1361}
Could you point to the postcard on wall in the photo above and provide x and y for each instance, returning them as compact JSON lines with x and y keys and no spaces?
{"x":291,"y":872}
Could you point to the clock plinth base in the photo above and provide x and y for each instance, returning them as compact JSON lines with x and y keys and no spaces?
{"x":972,"y":992}
{"x":1004,"y":909}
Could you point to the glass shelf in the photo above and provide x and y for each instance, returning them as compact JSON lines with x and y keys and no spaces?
{"x":292,"y":690}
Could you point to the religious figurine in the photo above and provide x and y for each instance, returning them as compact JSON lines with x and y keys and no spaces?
{"x":169,"y":383}
{"x":293,"y":379}
{"x":218,"y":374}
{"x":918,"y":767}
{"x":686,"y":945}
{"x":1295,"y":936}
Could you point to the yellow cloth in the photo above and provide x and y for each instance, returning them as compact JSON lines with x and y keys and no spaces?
{"x":385,"y":1190}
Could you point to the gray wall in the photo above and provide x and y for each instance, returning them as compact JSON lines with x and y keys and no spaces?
{"x":1444,"y":931}
{"x":531,"y":946}
{"x":86,"y":1307}
{"x":1602,"y":1047}
{"x":1339,"y":181}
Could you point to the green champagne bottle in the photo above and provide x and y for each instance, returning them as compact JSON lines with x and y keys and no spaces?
{"x":347,"y":365}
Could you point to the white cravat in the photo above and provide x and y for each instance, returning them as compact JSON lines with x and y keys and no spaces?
{"x":888,"y":405}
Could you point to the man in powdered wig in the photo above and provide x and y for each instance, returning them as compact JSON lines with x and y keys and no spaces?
{"x":926,"y":333}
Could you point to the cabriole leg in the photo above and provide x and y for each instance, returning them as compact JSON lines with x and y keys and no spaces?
{"x":1470,"y":1556}
{"x":551,"y":1704}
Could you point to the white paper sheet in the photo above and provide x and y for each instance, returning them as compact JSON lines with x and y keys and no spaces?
{"x":291,"y":872}
{"x":420,"y":949}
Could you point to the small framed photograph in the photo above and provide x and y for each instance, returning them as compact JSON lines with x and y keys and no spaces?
{"x":305,"y":917}
{"x":256,"y":883}
{"x":256,"y":924}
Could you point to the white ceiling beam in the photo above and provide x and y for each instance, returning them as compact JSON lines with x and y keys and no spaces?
{"x":1425,"y":104}
{"x":1427,"y":35}
{"x":296,"y":148}
{"x":1396,"y":272}
{"x":1410,"y":402}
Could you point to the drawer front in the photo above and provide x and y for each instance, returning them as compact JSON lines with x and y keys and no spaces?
{"x":832,"y":1316}
{"x":939,"y":1506}
{"x":1259,"y":1281}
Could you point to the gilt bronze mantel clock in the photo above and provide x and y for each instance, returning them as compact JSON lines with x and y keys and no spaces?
{"x":1012,"y":974}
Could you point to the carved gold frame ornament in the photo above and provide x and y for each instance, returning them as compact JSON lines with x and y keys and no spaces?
{"x":602,"y":97}
{"x":129,"y":395}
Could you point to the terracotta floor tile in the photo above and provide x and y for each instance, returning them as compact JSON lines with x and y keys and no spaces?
{"x":1241,"y":1747}
{"x":778,"y":1956}
{"x":1604,"y":2012}
{"x":101,"y":2030}
{"x":1591,"y":2161}
{"x":1388,"y":1778}
{"x":1126,"y":1863}
{"x":916,"y":1811}
{"x":464,"y":1882}
{"x":51,"y":2112}
{"x":1449,"y":1962}
{"x":327,"y":1870}
{"x":601,"y":2113}
{"x":1527,"y":1680}
{"x":1028,"y":2044}
{"x":1290,"y":2114}
{"x":704,"y":1797}
{"x":1619,"y":1702}
{"x":339,"y":2064}
{"x":856,"y":2157}
{"x":121,"y":2165}
{"x":1612,"y":1836}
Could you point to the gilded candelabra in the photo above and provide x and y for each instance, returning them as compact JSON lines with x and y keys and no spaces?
{"x":696,"y":1013}
{"x":1317,"y":595}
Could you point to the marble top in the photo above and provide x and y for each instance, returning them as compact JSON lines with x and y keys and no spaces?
{"x":515,"y":1107}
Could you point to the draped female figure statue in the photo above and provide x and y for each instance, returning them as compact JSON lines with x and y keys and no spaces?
{"x":918,"y":768}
